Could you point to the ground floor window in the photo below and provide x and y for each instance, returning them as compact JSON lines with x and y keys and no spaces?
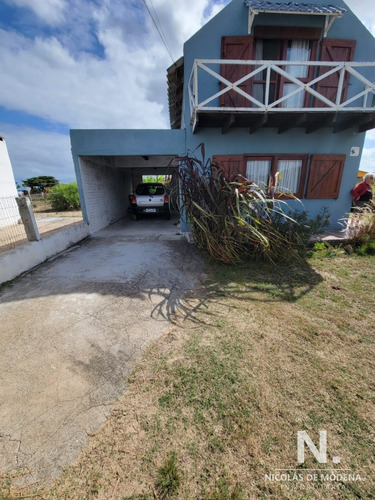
{"x":286,"y":173}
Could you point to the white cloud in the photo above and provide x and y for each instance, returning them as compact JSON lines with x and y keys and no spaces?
{"x":363,"y":12}
{"x":368,"y":160}
{"x":126,"y":89}
{"x":43,"y":79}
{"x":50,"y":11}
{"x":44,"y":153}
{"x":370,"y":135}
{"x":58,"y":79}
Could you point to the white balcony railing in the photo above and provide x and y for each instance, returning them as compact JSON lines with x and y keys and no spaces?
{"x":359,"y":99}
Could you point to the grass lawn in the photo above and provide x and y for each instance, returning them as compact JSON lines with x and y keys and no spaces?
{"x":213,"y":410}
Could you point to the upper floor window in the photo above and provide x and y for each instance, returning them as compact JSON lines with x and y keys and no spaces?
{"x":273,"y":43}
{"x":287,"y":50}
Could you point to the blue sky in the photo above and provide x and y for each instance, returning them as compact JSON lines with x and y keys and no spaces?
{"x":93,"y":64}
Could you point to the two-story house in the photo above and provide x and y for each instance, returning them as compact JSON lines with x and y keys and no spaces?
{"x":267,"y":86}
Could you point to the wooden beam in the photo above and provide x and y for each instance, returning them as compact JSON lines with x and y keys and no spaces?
{"x":259,"y":122}
{"x":367,"y":125}
{"x":296,"y":121}
{"x":325,"y":121}
{"x":228,"y":123}
{"x":340,"y":126}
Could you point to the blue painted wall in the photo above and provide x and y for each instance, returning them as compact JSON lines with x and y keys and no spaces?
{"x":127,"y":142}
{"x":206,"y":44}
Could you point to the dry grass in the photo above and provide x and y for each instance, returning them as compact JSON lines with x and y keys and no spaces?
{"x":268,"y":351}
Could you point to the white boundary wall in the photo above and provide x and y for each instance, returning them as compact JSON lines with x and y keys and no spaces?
{"x":7,"y":188}
{"x":23,"y":258}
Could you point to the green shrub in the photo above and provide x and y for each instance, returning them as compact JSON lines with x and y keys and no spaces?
{"x":366,"y":249}
{"x":64,"y":197}
{"x":298,"y":229}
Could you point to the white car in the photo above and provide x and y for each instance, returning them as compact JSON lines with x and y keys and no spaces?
{"x":150,"y":198}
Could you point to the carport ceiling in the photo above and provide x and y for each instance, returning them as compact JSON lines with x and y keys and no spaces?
{"x":146,"y":161}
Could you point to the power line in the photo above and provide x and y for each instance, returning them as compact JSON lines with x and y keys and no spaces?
{"x":158,"y":20}
{"x":160,"y":31}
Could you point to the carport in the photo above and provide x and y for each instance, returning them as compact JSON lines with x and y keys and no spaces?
{"x":110,"y":163}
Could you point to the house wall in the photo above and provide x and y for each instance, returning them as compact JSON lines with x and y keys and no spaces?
{"x":8,"y":208}
{"x":233,"y":20}
{"x":105,"y":192}
{"x":239,"y":141}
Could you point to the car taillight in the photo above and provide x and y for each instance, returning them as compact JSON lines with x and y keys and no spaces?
{"x":134,"y":199}
{"x":166,"y":198}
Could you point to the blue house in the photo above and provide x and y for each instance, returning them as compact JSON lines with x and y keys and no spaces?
{"x":269,"y":87}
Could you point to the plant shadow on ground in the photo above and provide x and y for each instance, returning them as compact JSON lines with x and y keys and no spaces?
{"x":251,"y":281}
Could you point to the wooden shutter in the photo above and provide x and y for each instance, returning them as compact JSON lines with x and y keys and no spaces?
{"x":325,"y":176}
{"x":230,"y":165}
{"x":337,"y":51}
{"x":236,"y":47}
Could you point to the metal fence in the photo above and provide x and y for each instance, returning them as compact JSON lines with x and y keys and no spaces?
{"x":47,"y":219}
{"x":40,"y":222}
{"x":12,"y":230}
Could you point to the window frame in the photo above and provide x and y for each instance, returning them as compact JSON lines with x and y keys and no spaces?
{"x":275,"y":158}
{"x":284,"y":35}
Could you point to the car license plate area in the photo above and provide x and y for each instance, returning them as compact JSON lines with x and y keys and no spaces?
{"x":150,"y":210}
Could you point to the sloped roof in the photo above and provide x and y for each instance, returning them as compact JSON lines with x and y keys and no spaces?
{"x":293,"y":7}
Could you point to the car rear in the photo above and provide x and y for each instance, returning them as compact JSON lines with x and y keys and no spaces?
{"x":150,"y":198}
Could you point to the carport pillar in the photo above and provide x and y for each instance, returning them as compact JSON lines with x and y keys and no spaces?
{"x":28,"y":219}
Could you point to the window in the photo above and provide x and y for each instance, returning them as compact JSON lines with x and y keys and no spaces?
{"x":324,"y":180}
{"x":287,"y":50}
{"x":150,"y":189}
{"x":262,"y":170}
{"x":291,"y":169}
{"x":259,"y":171}
{"x":281,"y":43}
{"x":270,"y":44}
{"x":297,"y":50}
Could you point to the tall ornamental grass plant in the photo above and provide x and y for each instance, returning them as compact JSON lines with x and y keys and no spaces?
{"x":233,"y":218}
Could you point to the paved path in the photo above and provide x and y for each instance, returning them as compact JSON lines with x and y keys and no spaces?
{"x":70,"y":332}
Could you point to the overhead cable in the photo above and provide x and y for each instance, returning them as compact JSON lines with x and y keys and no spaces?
{"x":159,"y":30}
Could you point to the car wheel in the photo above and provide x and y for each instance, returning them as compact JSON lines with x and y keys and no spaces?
{"x":135,"y":216}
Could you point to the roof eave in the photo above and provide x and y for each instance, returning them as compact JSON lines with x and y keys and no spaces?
{"x":330,"y":17}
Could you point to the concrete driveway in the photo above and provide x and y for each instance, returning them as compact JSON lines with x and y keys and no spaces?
{"x":71,"y":331}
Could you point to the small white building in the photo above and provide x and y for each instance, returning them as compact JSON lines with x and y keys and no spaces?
{"x":8,"y":192}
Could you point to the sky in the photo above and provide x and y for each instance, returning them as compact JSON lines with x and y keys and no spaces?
{"x":70,"y":64}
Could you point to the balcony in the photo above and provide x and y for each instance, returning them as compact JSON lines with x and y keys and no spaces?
{"x":282,"y":94}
